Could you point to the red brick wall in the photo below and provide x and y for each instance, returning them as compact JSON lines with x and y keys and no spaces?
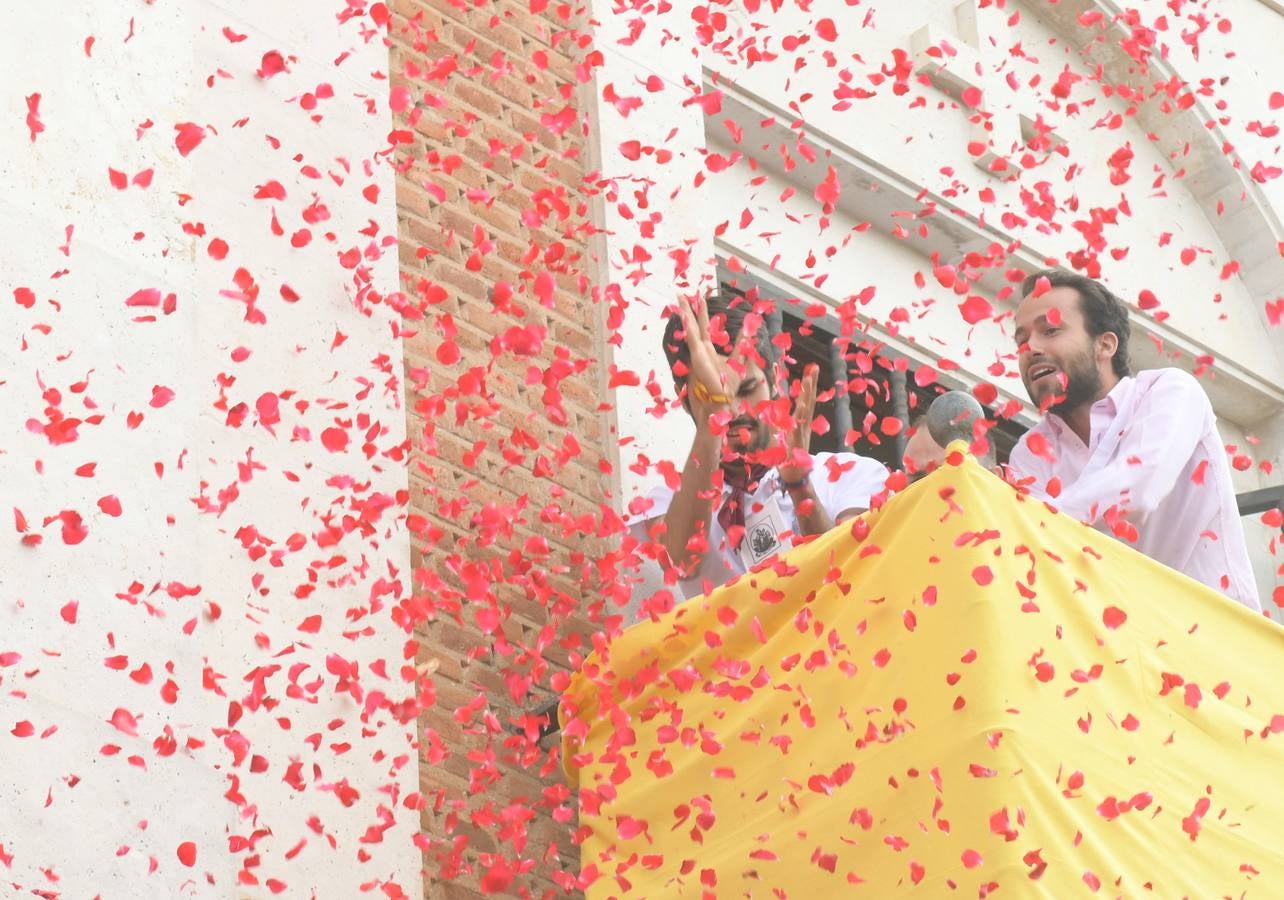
{"x":493,"y":472}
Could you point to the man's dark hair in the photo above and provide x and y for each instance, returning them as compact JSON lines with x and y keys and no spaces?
{"x":735,"y":306}
{"x":1102,"y":311}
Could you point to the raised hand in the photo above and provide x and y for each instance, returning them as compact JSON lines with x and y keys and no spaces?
{"x":797,"y":438}
{"x":713,"y":380}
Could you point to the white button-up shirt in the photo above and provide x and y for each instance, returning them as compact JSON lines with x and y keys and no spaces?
{"x":842,"y":481}
{"x":1155,"y":460}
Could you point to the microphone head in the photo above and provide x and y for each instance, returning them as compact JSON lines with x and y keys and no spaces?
{"x":951,"y":416}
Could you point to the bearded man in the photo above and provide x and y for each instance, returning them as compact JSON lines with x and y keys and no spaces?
{"x":750,"y":483}
{"x":1136,"y":456}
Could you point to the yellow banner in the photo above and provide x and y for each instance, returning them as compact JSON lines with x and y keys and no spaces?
{"x":958,"y":693}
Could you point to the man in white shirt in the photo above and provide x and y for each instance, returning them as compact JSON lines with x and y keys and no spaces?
{"x":1138,"y":457}
{"x":749,"y":483}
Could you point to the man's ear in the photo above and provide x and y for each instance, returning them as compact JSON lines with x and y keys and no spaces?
{"x":778,"y":379}
{"x":1107,"y":344}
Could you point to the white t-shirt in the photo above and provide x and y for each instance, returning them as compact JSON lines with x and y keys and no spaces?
{"x":842,"y":481}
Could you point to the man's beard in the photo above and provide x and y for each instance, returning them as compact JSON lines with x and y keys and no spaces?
{"x":756,"y":432}
{"x":1083,"y":383}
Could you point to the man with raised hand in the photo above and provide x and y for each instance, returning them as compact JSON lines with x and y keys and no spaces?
{"x":1137,"y":456}
{"x":749,"y":482}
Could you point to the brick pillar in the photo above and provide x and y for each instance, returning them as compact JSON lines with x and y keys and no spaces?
{"x":510,"y":465}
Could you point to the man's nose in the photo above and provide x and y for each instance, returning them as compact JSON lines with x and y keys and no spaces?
{"x":741,"y":407}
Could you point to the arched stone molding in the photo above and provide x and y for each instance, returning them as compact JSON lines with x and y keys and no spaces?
{"x":887,"y":200}
{"x":1248,"y":226}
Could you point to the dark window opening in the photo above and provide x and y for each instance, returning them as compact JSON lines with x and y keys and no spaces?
{"x":874,"y":384}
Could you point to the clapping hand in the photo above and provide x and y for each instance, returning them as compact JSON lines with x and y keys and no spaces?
{"x":713,"y":381}
{"x":797,"y":437}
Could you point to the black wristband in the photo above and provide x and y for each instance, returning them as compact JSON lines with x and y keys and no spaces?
{"x":794,"y":485}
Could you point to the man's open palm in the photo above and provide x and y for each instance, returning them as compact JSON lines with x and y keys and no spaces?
{"x":797,"y":438}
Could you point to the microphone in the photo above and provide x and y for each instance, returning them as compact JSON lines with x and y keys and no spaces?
{"x":951,"y":417}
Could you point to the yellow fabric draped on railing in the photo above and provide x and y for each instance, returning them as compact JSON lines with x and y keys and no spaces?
{"x":958,"y":693}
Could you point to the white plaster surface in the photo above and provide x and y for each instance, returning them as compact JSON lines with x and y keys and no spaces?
{"x":73,"y":818}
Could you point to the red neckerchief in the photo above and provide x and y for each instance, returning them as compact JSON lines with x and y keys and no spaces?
{"x":742,"y":477}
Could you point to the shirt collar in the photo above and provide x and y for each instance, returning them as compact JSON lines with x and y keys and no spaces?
{"x":1117,"y":392}
{"x":1108,"y":404}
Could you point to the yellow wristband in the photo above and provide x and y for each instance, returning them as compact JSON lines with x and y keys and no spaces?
{"x":701,"y":393}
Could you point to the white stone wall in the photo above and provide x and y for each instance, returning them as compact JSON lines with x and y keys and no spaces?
{"x":167,"y":592}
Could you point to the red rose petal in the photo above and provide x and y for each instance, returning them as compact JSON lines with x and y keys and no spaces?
{"x":187,"y":137}
{"x":34,"y":125}
{"x":124,"y":721}
{"x":334,"y":439}
{"x":73,"y":527}
{"x":975,"y":309}
{"x":273,"y":64}
{"x":161,"y":395}
{"x":187,"y":853}
{"x":145,"y":297}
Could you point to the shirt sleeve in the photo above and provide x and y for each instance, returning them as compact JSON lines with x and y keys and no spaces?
{"x":1025,"y":464}
{"x":661,"y":498}
{"x":1169,"y":421}
{"x":858,"y":479}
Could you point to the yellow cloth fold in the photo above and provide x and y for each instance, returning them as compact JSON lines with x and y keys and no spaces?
{"x":960,"y":692}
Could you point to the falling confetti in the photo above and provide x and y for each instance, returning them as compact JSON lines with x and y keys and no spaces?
{"x":338,"y":422}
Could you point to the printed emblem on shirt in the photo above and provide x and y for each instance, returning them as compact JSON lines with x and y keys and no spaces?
{"x":762,"y":534}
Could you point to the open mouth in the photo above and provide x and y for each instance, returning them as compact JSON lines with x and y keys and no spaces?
{"x":1042,"y":371}
{"x":741,"y":429}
